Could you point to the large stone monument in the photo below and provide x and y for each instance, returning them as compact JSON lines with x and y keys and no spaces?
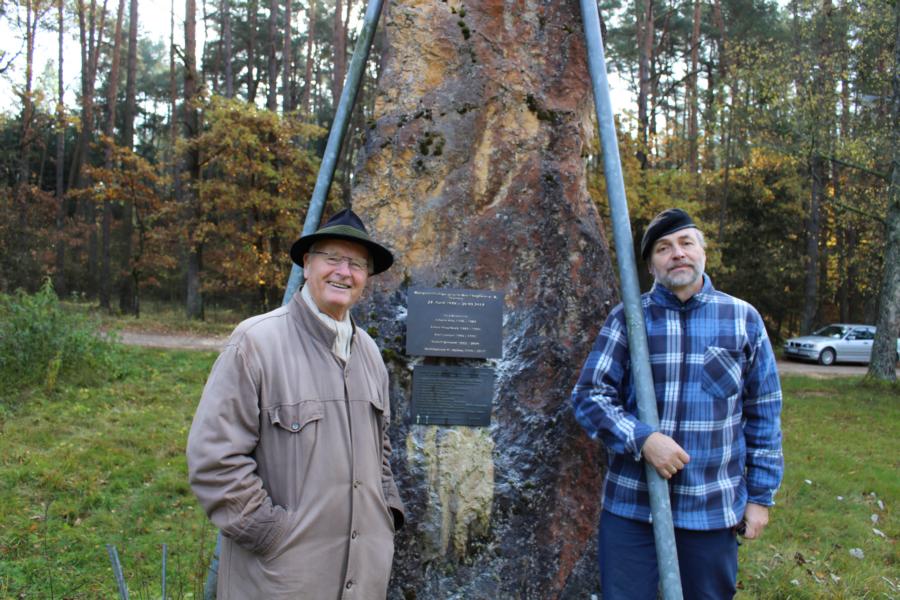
{"x":473,"y":173}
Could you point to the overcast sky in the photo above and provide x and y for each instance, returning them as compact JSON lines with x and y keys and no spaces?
{"x":153,"y":22}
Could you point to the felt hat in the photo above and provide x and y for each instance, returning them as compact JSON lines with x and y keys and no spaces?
{"x":666,"y":222}
{"x":345,"y":225}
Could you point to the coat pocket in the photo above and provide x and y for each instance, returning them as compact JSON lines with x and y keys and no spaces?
{"x":721,"y":372}
{"x":294,"y":417}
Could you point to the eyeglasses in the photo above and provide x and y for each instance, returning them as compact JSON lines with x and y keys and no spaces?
{"x":356,"y":265}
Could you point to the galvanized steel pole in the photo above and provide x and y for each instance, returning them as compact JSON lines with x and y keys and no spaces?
{"x":336,"y":136}
{"x":663,"y":529}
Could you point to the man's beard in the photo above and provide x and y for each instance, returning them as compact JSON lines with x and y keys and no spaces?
{"x":681,"y":278}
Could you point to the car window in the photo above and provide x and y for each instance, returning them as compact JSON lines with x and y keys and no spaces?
{"x":864,"y":334}
{"x":832,"y":331}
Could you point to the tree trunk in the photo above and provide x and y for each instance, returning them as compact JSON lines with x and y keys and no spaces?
{"x":811,"y":263}
{"x":91,"y":28}
{"x":272,"y":70}
{"x":310,"y":37}
{"x":59,"y":279}
{"x":884,"y":348}
{"x":726,"y":177}
{"x":203,"y":67}
{"x":709,"y":118}
{"x":112,"y":88}
{"x":339,"y":43}
{"x":173,"y":99}
{"x":191,"y":120}
{"x":693,"y":106}
{"x":822,"y":91}
{"x":91,"y":35}
{"x":127,"y":301}
{"x":25,"y":139}
{"x":645,"y":35}
{"x":288,"y":60}
{"x":225,"y":10}
{"x":251,"y":52}
{"x":473,"y":174}
{"x":716,"y":86}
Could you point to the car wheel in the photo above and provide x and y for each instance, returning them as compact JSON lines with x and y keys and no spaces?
{"x":826,"y":357}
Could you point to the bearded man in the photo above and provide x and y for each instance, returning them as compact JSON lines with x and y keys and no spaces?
{"x":288,"y":452}
{"x":719,"y":437}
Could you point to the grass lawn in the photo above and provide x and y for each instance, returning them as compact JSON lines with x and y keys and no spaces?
{"x":842,"y":483}
{"x":85,"y":467}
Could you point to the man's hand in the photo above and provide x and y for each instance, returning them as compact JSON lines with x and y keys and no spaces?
{"x":756,"y":517}
{"x":664,"y":453}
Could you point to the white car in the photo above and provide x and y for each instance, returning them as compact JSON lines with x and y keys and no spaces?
{"x":840,"y":342}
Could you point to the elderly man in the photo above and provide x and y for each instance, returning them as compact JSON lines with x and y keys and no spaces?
{"x":288,"y":452}
{"x":719,"y":437}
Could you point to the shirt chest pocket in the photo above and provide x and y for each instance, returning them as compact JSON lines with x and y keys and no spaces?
{"x":294,"y":418}
{"x":721,"y":372}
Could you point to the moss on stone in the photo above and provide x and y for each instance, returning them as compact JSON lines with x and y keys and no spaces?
{"x":542,"y":113}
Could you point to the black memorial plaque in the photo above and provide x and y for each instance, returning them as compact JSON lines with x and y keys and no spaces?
{"x":448,"y":395}
{"x":454,"y":322}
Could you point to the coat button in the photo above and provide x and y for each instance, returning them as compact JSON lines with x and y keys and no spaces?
{"x":354,"y":535}
{"x":295,"y":426}
{"x":349,"y":585}
{"x":356,"y":483}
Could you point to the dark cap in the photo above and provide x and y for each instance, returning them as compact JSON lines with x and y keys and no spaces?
{"x":345,"y":225}
{"x":666,"y":222}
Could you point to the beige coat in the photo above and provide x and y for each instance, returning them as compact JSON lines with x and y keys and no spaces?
{"x":289,"y":455}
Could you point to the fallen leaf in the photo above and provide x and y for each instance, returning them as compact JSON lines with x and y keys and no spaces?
{"x":879,"y":533}
{"x":857,"y":553}
{"x":807,"y":481}
{"x":874,"y":518}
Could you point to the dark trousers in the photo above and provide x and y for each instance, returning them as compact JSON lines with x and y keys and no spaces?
{"x":628,"y":571}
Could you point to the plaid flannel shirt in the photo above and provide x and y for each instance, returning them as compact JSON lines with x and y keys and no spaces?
{"x":718,"y":396}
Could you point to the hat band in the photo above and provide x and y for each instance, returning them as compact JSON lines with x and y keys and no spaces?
{"x":344,"y":230}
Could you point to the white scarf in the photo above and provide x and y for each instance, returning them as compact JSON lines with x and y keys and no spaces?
{"x":343,"y":328}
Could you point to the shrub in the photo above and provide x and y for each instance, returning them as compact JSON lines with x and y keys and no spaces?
{"x":41,"y":344}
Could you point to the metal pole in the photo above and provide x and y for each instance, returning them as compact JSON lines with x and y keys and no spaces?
{"x":165,"y":556}
{"x":212,"y":576}
{"x":663,"y":529}
{"x":336,"y":136}
{"x":117,"y":571}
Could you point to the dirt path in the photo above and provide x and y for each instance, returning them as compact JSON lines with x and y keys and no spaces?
{"x":192,"y":342}
{"x":790,"y":367}
{"x":164,"y":340}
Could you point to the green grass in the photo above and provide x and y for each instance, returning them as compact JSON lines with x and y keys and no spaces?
{"x":840,"y":445}
{"x":166,"y":317}
{"x":85,"y":467}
